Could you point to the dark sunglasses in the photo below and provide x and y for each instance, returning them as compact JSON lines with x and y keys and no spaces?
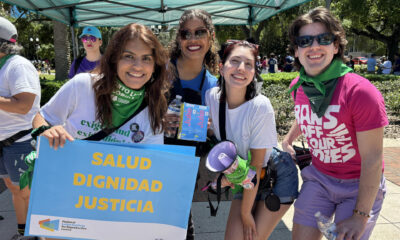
{"x":86,"y":38}
{"x":322,"y":39}
{"x":242,"y":42}
{"x":199,"y":33}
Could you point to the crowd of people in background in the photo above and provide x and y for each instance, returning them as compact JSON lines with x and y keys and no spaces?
{"x":275,"y":64}
{"x":345,"y":181}
{"x":376,"y":65}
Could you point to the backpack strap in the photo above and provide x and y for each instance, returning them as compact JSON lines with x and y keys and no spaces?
{"x":78,"y":62}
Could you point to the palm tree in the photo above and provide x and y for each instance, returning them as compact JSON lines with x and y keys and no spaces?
{"x":61,"y":50}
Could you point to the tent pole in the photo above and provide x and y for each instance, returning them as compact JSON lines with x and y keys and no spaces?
{"x":74,"y":45}
{"x":250,"y":21}
{"x":73,"y":37}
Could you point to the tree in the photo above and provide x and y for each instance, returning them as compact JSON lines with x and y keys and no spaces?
{"x":376,"y":19}
{"x":61,"y":50}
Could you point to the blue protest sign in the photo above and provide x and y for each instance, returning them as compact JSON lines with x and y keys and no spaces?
{"x":93,"y":190}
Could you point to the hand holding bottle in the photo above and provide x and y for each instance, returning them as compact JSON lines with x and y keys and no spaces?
{"x":172,"y":117}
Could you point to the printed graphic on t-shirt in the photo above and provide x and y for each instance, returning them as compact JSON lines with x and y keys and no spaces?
{"x":330,"y":140}
{"x":89,"y":128}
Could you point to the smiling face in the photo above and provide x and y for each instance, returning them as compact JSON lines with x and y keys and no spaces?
{"x":239,"y":68}
{"x":195,"y":48}
{"x":136,"y":64}
{"x":315,"y":58}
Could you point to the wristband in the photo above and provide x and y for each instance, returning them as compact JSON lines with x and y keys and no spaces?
{"x":356,"y":211}
{"x":37,"y":131}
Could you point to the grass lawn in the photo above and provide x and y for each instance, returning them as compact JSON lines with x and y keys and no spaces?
{"x":48,"y":77}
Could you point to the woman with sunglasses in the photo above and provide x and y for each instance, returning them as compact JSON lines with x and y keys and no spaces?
{"x":194,"y":55}
{"x":342,"y":116}
{"x":250,"y":124}
{"x":91,"y":40}
{"x":127,"y":94}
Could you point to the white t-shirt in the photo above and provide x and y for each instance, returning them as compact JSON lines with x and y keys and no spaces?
{"x":18,"y":75}
{"x":387,"y":67}
{"x":73,"y":106}
{"x":249,"y":126}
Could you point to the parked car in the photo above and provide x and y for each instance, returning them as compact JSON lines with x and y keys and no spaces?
{"x":360,"y":60}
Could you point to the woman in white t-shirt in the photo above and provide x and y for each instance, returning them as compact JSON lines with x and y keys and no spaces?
{"x":250,"y":124}
{"x":133,"y":79}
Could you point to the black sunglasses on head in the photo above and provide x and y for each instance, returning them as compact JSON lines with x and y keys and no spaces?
{"x":187,"y":34}
{"x":244,"y":42}
{"x":322,"y":39}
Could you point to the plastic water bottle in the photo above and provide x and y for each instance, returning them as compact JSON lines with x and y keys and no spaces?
{"x":173,"y":108}
{"x":327,"y":228}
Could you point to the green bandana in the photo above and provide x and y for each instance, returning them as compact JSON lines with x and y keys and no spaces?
{"x":4,"y":59}
{"x":319,"y":89}
{"x":125,"y":102}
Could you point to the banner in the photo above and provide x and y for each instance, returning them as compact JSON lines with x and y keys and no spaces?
{"x":98,"y":190}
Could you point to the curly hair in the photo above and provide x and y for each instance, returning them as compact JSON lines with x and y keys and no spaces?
{"x":10,"y":48}
{"x":323,"y":16}
{"x":156,"y":88}
{"x":251,"y":89}
{"x":211,"y":57}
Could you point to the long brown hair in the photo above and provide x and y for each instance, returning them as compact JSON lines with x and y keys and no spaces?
{"x":156,"y":87}
{"x":211,"y":57}
{"x":332,"y":25}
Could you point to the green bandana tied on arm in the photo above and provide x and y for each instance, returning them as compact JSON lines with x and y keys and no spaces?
{"x":319,"y":89}
{"x":125,"y":102}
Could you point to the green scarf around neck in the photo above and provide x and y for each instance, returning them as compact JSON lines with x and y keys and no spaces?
{"x":319,"y":89}
{"x":4,"y":59}
{"x":125,"y":101}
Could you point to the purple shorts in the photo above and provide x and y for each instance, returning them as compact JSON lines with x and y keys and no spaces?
{"x":330,"y":195}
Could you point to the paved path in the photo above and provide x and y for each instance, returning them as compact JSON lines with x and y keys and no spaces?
{"x":392,"y":164}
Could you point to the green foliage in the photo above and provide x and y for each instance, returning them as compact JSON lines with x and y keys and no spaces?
{"x":380,"y":77}
{"x":360,"y":68}
{"x":49,"y":88}
{"x":46,"y":77}
{"x":390,"y":89}
{"x":224,"y":33}
{"x":282,"y":104}
{"x":281,"y":78}
{"x":375,"y":19}
{"x":46,"y":51}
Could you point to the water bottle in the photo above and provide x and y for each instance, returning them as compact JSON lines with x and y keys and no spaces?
{"x":327,"y":228}
{"x":173,"y":108}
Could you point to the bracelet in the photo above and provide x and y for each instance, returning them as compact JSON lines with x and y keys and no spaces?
{"x":37,"y":131}
{"x":356,"y":211}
